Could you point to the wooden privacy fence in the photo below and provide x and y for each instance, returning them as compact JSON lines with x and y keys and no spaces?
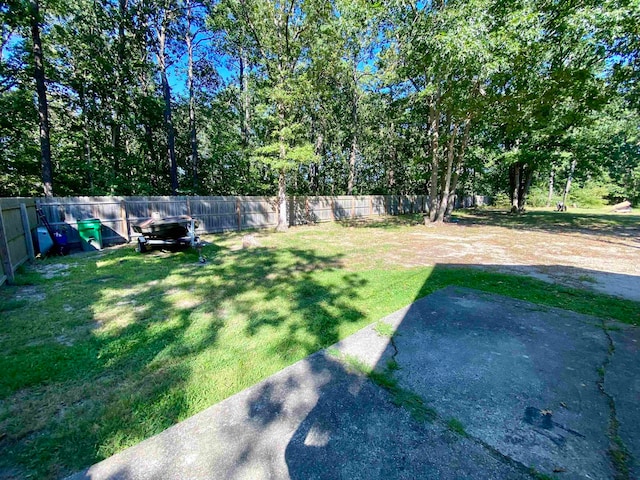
{"x":18,"y":216}
{"x":216,"y":214}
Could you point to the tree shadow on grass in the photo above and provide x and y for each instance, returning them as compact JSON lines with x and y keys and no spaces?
{"x":608,"y":225}
{"x":327,"y":417}
{"x":142,"y":335}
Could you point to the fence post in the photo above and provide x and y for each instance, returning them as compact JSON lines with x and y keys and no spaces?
{"x":239,"y":213}
{"x":125,"y":220}
{"x":333,"y":212}
{"x":27,"y":231}
{"x":353,"y":206}
{"x":307,"y":215}
{"x":291,"y":200}
{"x":4,"y":252}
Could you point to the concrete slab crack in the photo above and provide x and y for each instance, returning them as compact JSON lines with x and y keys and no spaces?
{"x":619,"y":455}
{"x":392,"y":341}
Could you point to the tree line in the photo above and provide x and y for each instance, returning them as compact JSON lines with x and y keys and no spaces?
{"x":511,"y":98}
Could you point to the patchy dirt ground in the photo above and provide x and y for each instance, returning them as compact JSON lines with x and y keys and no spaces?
{"x":604,"y":263}
{"x":593,"y":251}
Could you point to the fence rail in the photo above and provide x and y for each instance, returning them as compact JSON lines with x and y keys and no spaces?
{"x":216,"y":214}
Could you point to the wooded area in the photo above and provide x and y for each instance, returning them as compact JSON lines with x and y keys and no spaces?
{"x":531,"y":100}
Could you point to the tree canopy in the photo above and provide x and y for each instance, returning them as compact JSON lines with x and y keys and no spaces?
{"x":439,"y":97}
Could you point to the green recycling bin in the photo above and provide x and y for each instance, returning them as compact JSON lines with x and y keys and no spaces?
{"x":90,"y":231}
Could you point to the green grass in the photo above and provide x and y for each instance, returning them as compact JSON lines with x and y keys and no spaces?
{"x":384,"y":329}
{"x":120,"y":346}
{"x":400,"y":397}
{"x":456,"y":426}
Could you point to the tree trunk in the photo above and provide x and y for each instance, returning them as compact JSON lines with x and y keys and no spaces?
{"x":393,"y":159}
{"x":567,"y":188}
{"x":118,"y":92}
{"x":244,"y":98}
{"x":551,"y":179}
{"x":151,"y":156}
{"x":166,"y":93}
{"x":283,"y":218}
{"x":86,"y":136}
{"x":354,"y":140}
{"x":514,"y":177}
{"x":193,"y":136}
{"x":352,"y":165}
{"x":525,"y":184}
{"x":459,"y":163}
{"x":434,"y":127}
{"x":313,"y":168}
{"x":444,"y":201}
{"x":43,"y":106}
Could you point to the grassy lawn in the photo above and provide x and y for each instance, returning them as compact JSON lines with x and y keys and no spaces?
{"x":100,"y":352}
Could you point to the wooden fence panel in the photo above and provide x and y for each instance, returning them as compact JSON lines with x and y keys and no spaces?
{"x":216,"y":214}
{"x":16,"y":236}
{"x":320,"y":209}
{"x":143,"y":208}
{"x":64,"y":213}
{"x":259,"y":212}
{"x":342,"y":208}
{"x":378,"y":205}
{"x":361,"y":207}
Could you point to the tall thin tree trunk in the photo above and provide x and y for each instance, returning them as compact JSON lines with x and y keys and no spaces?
{"x":86,"y":136}
{"x":283,"y":218}
{"x":434,"y":127}
{"x":119,"y":94}
{"x":444,"y":201}
{"x":459,"y":163}
{"x":567,"y":188}
{"x":515,"y":186}
{"x":166,"y":93}
{"x":313,"y":168}
{"x":151,"y":155}
{"x":43,"y":106}
{"x":552,"y":176}
{"x":244,"y":98}
{"x":193,"y":136}
{"x":352,"y":164}
{"x":393,"y":159}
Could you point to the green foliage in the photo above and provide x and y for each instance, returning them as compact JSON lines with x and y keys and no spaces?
{"x":539,"y":196}
{"x":347,"y":88}
{"x":294,"y":157}
{"x":591,"y":194}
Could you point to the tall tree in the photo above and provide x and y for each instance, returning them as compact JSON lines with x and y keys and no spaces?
{"x":280,"y":35}
{"x":43,"y":105}
{"x":164,"y":19}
